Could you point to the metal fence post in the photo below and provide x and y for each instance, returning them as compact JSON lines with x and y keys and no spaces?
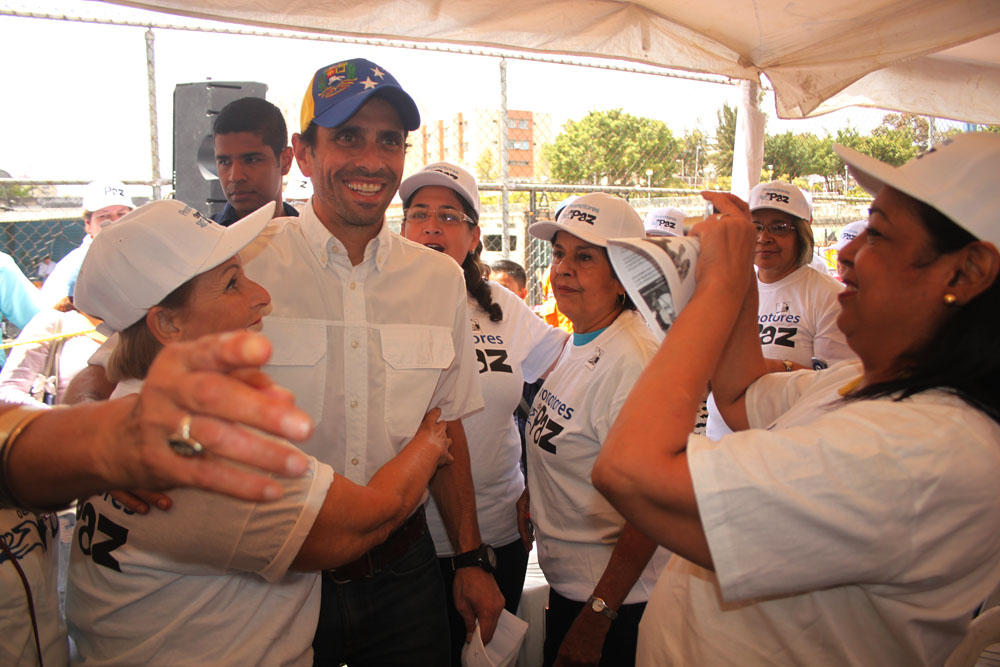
{"x":504,"y":161}
{"x":154,"y":140}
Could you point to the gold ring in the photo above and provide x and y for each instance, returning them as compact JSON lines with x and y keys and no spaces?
{"x":181,"y":441}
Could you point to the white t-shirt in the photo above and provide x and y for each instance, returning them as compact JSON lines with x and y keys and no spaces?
{"x":367,"y":350}
{"x":797,"y":320}
{"x":204,"y":583}
{"x":515,"y":350}
{"x":575,"y":526}
{"x":34,"y":542}
{"x":797,"y":316}
{"x":27,"y":360}
{"x":62,"y":278}
{"x":860,"y":533}
{"x":45,"y":268}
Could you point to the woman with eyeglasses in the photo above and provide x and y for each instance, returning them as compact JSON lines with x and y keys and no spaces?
{"x":797,"y":305}
{"x":852,"y":519}
{"x":600,"y":569}
{"x":513,"y":346}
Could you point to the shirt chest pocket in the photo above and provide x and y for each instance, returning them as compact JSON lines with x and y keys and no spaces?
{"x":298,"y":361}
{"x":415,"y":357}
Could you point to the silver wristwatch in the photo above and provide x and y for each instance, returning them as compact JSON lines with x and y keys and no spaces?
{"x":601,"y":607}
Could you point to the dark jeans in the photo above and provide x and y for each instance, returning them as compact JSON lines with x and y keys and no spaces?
{"x":619,"y":644}
{"x":512,"y":562}
{"x":394,"y":618}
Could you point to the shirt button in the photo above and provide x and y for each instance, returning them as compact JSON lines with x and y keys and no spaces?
{"x":354,"y":344}
{"x":354,"y":461}
{"x":354,"y":404}
{"x":353,"y":285}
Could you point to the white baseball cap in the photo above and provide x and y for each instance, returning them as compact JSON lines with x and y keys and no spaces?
{"x":595,"y":218}
{"x":958,"y":177}
{"x":666,"y":221}
{"x":849,"y":233}
{"x":136,"y":262}
{"x":781,"y":196}
{"x":447,"y":175}
{"x":562,"y":205}
{"x":101,"y":194}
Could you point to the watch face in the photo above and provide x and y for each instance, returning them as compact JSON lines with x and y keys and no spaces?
{"x":597,"y":605}
{"x":491,"y":556}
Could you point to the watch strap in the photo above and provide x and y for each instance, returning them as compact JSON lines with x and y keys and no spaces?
{"x":478,"y":557}
{"x":599,"y":606}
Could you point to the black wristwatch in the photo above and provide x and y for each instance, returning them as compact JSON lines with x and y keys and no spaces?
{"x":483,"y":557}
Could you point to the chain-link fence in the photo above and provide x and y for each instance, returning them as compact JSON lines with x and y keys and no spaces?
{"x":33,"y":241}
{"x":37,"y":222}
{"x":533,"y":130}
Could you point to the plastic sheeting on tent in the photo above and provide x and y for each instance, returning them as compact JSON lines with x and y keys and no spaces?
{"x":932,"y":57}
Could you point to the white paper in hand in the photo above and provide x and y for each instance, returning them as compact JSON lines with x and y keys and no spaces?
{"x":502,"y":650}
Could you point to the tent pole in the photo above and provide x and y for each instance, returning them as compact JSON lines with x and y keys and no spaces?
{"x":748,"y":148}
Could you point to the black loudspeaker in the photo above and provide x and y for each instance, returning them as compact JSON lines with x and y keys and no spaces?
{"x":196,"y":181}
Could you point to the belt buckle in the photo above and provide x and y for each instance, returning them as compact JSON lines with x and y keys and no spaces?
{"x":334,"y":575}
{"x":374,"y":561}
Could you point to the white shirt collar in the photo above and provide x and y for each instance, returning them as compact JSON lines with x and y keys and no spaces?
{"x":326,"y":247}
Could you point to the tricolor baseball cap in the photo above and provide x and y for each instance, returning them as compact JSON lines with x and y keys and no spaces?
{"x":781,"y":196}
{"x":666,"y":221}
{"x":849,"y":233}
{"x":144,"y":256}
{"x":958,"y":177}
{"x":595,"y":218}
{"x":101,"y":194}
{"x":447,"y":175}
{"x":337,"y":91}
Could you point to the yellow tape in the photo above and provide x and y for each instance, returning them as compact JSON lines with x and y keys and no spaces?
{"x":7,"y":346}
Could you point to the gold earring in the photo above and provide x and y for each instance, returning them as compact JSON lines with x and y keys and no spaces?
{"x":950,"y":299}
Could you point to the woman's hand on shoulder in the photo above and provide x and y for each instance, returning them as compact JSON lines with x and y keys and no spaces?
{"x":217,"y":382}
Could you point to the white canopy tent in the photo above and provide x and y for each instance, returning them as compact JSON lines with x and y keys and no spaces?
{"x":931,"y":57}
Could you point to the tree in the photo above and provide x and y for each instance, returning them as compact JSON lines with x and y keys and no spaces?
{"x":486,"y":166}
{"x":893,"y":147}
{"x":613,"y":148}
{"x":13,"y":195}
{"x":725,"y":140}
{"x":694,"y":153}
{"x":824,"y":161}
{"x":917,"y":127}
{"x":789,"y":155}
{"x":899,"y":138}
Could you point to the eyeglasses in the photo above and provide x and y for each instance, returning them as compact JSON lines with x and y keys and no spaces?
{"x":447,"y":217}
{"x":777,"y":229}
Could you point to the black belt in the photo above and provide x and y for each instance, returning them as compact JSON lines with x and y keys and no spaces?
{"x":384,"y":555}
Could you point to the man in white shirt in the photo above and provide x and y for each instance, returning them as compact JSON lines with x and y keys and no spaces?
{"x":45,"y":268}
{"x":366,"y":349}
{"x":103,"y":203}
